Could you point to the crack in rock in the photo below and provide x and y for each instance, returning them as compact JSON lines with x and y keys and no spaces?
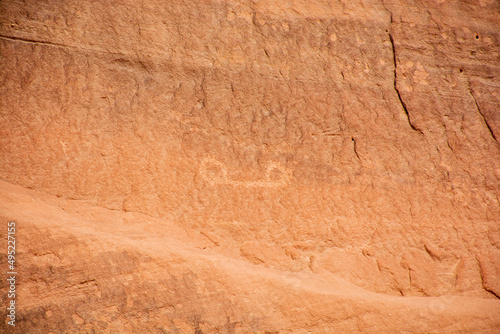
{"x":482,"y":115}
{"x":403,"y":104}
{"x":29,"y":40}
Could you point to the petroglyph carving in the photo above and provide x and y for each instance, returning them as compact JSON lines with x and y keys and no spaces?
{"x":215,"y":172}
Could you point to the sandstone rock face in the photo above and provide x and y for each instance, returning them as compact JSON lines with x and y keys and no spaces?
{"x":85,"y":269}
{"x":265,"y":166}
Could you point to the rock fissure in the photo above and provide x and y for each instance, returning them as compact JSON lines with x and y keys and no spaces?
{"x":482,"y":116}
{"x":403,"y":104}
{"x":34,"y":41}
{"x":355,"y":148}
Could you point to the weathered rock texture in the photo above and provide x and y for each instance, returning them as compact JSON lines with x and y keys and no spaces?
{"x":267,"y":155}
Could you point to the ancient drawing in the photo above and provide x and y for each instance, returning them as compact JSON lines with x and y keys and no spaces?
{"x":215,"y":172}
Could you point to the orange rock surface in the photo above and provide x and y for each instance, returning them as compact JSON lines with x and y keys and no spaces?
{"x":252,"y":166}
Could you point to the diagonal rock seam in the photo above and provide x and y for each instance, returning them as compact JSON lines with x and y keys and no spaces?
{"x":482,"y":115}
{"x":30,"y":40}
{"x":403,"y":104}
{"x":125,"y":57}
{"x":482,"y":274}
{"x":355,"y":149}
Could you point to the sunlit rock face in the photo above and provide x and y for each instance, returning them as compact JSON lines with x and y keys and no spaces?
{"x":265,"y":166}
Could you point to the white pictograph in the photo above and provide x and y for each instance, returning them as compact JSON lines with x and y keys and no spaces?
{"x":63,"y":146}
{"x":215,"y":172}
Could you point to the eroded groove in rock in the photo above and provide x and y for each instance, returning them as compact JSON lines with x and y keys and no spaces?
{"x":355,"y":149}
{"x":28,"y":40}
{"x":482,"y":115}
{"x":403,"y":104}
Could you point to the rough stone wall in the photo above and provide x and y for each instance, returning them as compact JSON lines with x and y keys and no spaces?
{"x":306,"y":135}
{"x":85,"y":269}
